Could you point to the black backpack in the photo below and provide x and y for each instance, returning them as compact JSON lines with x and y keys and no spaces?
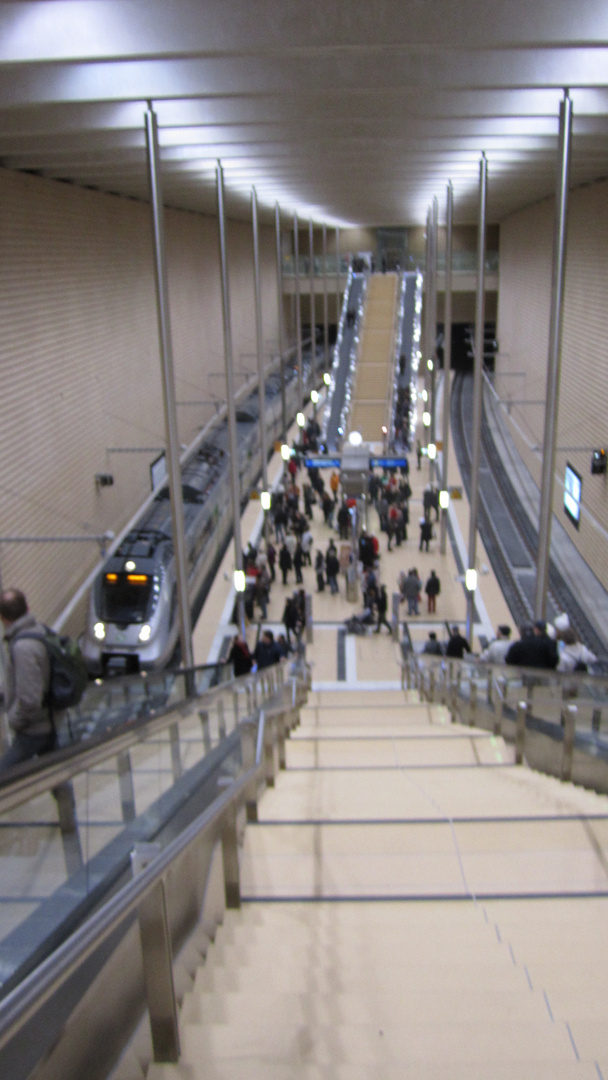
{"x":68,"y":673}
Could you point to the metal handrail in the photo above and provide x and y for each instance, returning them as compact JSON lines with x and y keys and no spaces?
{"x":550,"y":743}
{"x":58,"y":768}
{"x":37,"y":988}
{"x":145,"y":895}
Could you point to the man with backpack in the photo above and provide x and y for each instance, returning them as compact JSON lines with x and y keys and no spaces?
{"x":28,"y":674}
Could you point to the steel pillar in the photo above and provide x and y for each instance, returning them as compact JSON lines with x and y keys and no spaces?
{"x":555,"y":357}
{"x":235,"y":489}
{"x":477,"y":386}
{"x":168,"y":384}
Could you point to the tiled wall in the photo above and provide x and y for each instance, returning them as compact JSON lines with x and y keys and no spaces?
{"x":79,"y":362}
{"x":526,"y":241}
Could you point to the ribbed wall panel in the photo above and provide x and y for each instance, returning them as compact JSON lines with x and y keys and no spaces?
{"x":80,"y":368}
{"x":526,"y":243}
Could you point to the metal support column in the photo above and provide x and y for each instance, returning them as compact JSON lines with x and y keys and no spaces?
{"x":447,"y":360}
{"x":296,"y":256}
{"x":166,"y":361}
{"x":325,"y":305}
{"x":338,"y":305}
{"x":260,"y":346}
{"x":555,"y":356}
{"x":433,"y":330}
{"x":477,"y":387}
{"x":229,"y":365}
{"x":312,"y":381}
{"x":277,"y":222}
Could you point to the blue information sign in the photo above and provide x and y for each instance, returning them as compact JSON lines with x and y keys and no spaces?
{"x":387,"y":462}
{"x":322,"y":462}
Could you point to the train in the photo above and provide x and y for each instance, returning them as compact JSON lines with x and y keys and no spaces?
{"x":132,"y":621}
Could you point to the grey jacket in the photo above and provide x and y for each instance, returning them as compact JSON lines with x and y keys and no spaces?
{"x":27,"y":679}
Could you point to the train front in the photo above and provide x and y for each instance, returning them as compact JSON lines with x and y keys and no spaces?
{"x":129,"y":620}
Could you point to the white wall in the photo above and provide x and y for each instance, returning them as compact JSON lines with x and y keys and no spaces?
{"x":80,"y":368}
{"x":526,"y":241}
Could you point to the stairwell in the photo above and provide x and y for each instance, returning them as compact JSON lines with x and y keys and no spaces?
{"x":370,"y":407}
{"x":409,"y":910}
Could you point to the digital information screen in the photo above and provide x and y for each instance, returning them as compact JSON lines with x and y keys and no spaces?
{"x":573,"y":489}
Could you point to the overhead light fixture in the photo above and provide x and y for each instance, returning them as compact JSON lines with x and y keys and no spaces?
{"x":444,"y":499}
{"x":431,"y":451}
{"x":355,"y":438}
{"x":430,"y":365}
{"x":470,"y":580}
{"x":327,"y":378}
{"x":426,"y":419}
{"x":239,"y":580}
{"x":265,"y":500}
{"x":285,"y":452}
{"x":300,"y":419}
{"x":314,"y":396}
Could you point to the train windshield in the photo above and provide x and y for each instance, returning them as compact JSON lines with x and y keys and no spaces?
{"x":125,"y":597}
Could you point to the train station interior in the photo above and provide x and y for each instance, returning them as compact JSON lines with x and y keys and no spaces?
{"x":219,"y":229}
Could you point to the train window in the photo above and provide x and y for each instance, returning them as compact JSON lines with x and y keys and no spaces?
{"x":125,"y":597}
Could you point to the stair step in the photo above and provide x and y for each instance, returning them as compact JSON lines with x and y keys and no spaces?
{"x":248,"y":1069}
{"x":331,"y":1044}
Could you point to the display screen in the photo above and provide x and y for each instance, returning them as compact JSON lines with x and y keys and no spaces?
{"x":573,"y":489}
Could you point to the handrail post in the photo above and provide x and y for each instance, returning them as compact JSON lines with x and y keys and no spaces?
{"x":157,"y":962}
{"x":235,"y":706}
{"x":431,"y":685}
{"x":221,"y":719}
{"x":68,"y":826}
{"x":280,"y":722}
{"x":499,"y":708}
{"x":176,"y":761}
{"x":230,"y":855}
{"x":453,"y":695}
{"x":204,"y":717}
{"x":520,"y":733}
{"x":269,"y":745}
{"x":247,"y":731}
{"x":125,"y":786}
{"x":568,"y":724}
{"x":472,"y":704}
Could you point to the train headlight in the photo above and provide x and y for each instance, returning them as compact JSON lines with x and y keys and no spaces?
{"x":144,"y":633}
{"x":99,"y":630}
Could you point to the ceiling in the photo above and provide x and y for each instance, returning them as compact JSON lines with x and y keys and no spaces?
{"x":345,"y":111}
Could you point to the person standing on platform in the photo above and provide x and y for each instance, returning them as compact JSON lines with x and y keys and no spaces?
{"x":382,"y":608}
{"x":332,"y":568}
{"x":410,"y":591}
{"x":426,"y":534}
{"x":320,"y":571}
{"x":432,"y":590}
{"x":334,"y":484}
{"x":285,"y":562}
{"x":298,"y":562}
{"x":28,"y":676}
{"x":432,"y":647}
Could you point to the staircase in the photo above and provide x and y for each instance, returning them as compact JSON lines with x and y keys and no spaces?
{"x":370,"y":407}
{"x":383,"y":931}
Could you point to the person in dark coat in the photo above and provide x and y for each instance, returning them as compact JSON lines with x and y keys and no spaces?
{"x":298,"y":562}
{"x":320,"y":571}
{"x":457,"y":645}
{"x":290,"y":618}
{"x":432,"y":590}
{"x":240,"y":656}
{"x":534,"y":649}
{"x":381,"y":608}
{"x":343,"y":521}
{"x":332,"y":569}
{"x":285,"y":562}
{"x":266,"y":651}
{"x":426,"y":533}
